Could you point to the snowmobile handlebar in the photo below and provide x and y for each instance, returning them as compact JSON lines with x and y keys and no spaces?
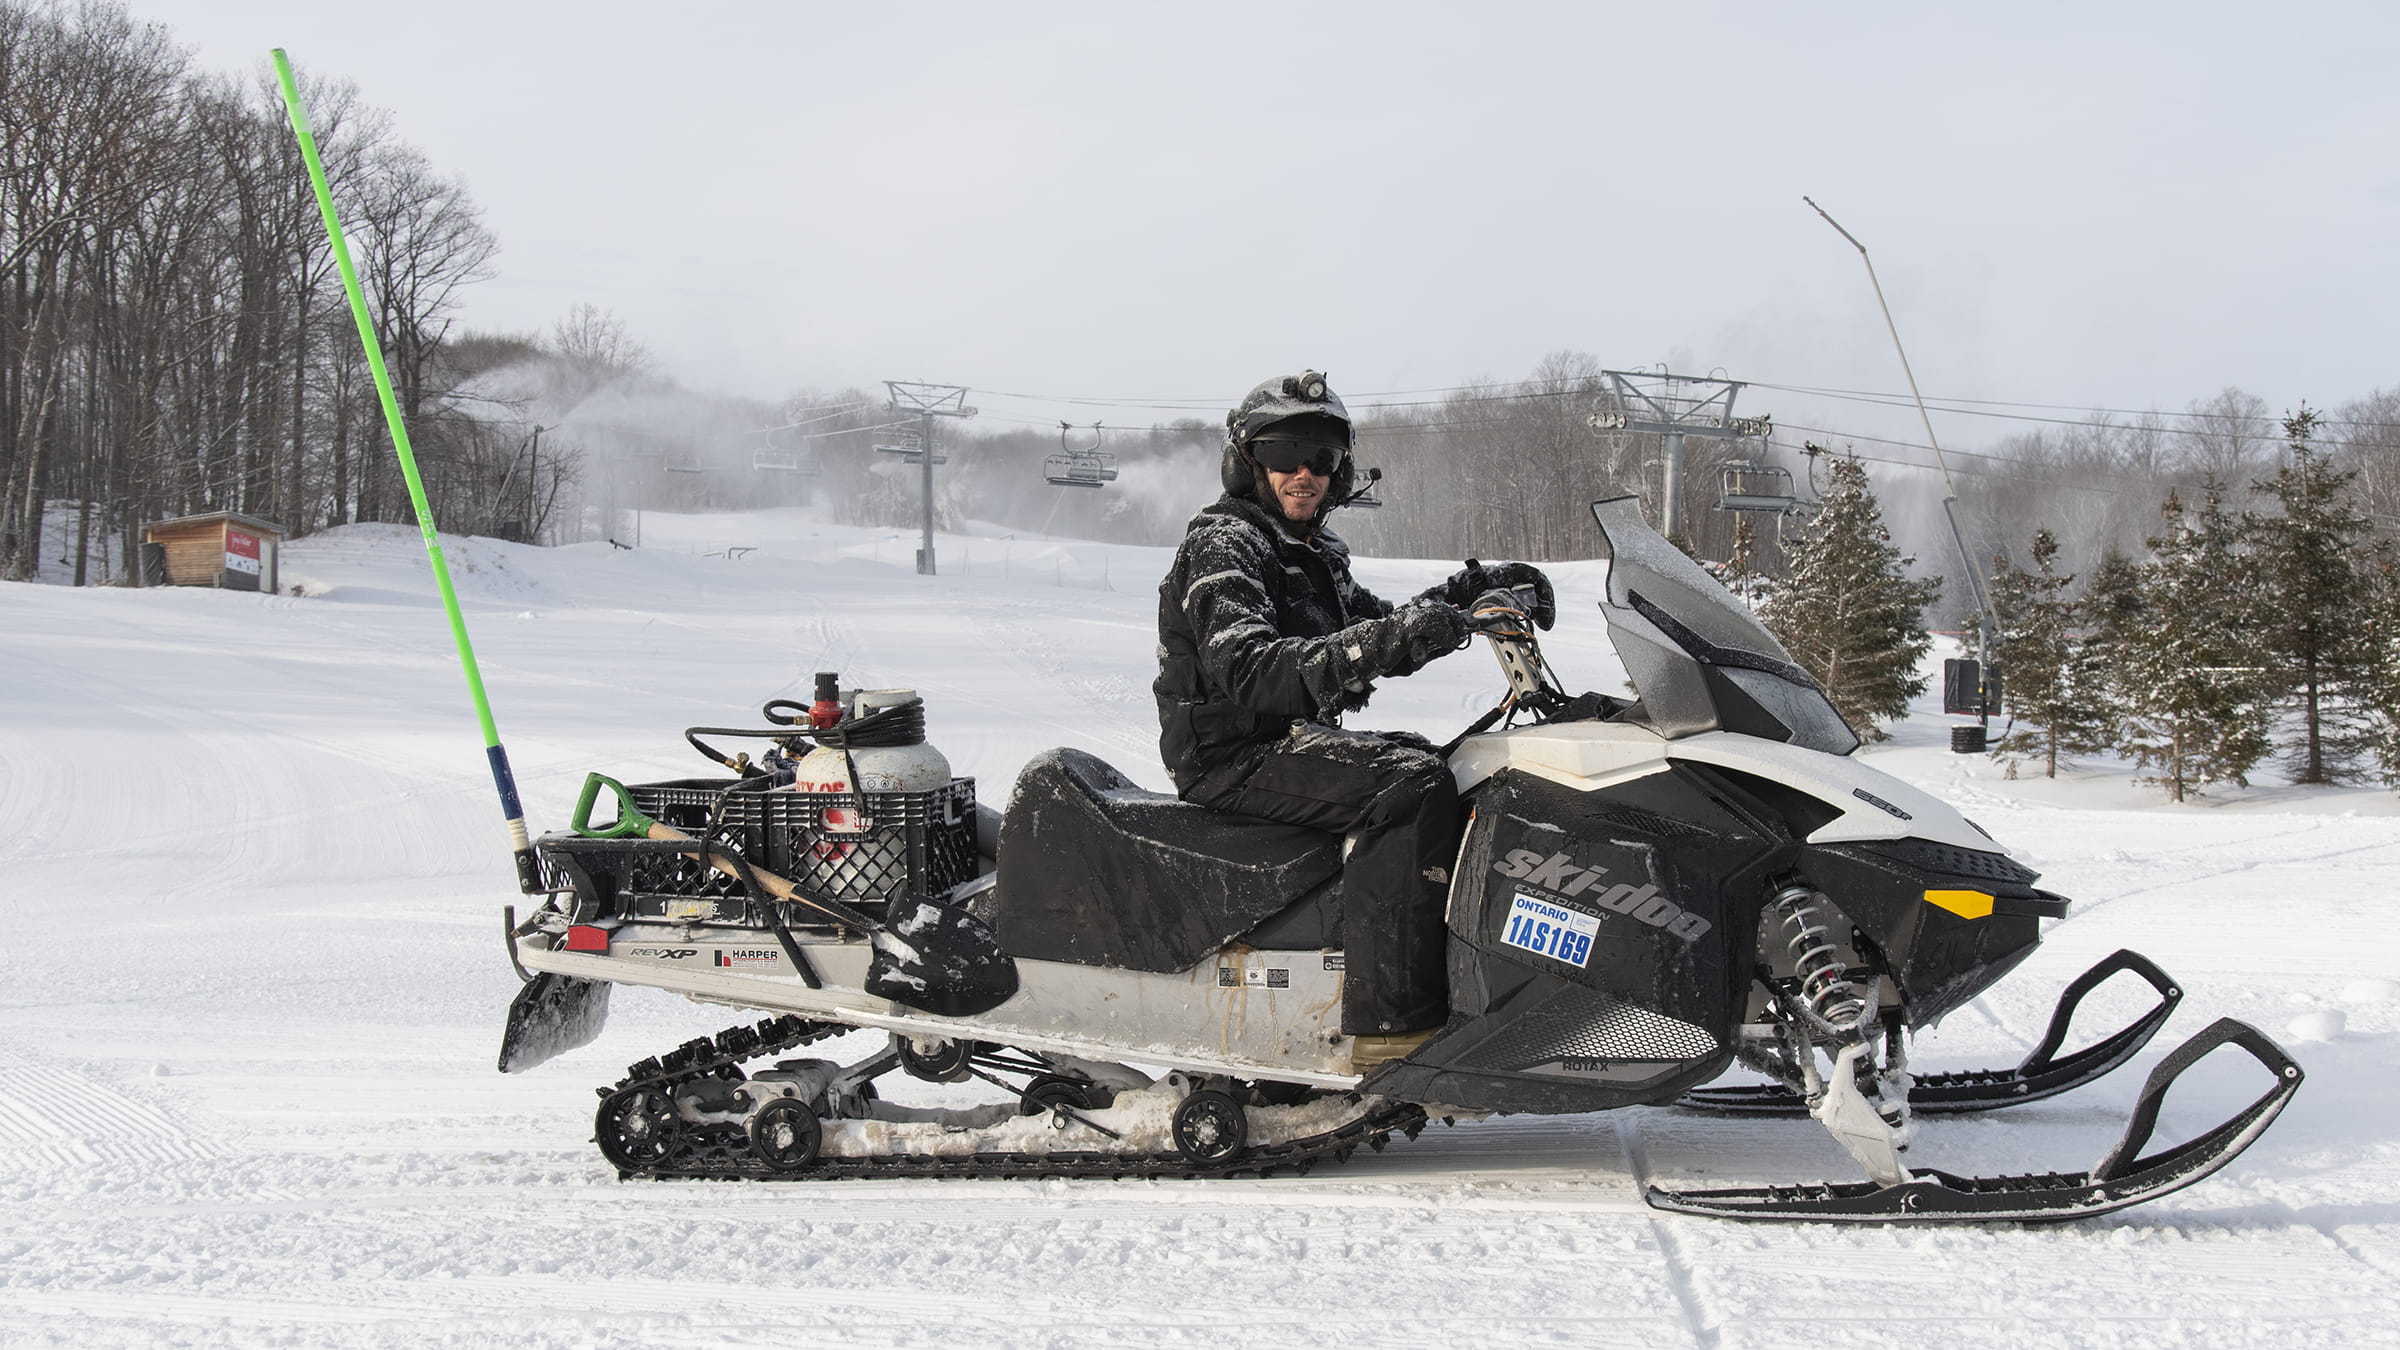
{"x":1504,"y":611}
{"x":1504,"y":617}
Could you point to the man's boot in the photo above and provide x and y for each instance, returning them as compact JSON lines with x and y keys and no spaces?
{"x":1367,"y":1052}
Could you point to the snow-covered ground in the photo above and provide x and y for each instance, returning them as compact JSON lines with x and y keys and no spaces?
{"x":251,"y":986}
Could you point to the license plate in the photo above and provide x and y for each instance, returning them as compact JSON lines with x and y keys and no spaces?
{"x":1550,"y":930}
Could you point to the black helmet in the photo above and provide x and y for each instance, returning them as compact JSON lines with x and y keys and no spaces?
{"x":1307,"y":402}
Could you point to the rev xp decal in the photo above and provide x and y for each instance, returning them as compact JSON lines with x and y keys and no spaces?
{"x":1564,"y":876}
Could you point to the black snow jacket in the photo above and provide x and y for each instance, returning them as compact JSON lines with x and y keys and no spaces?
{"x":1258,"y":629}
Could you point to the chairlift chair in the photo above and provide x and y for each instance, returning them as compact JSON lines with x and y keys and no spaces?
{"x":1084,"y":466}
{"x":1748,"y":485}
{"x":783,"y":461}
{"x":910,"y":447}
{"x":683,"y":461}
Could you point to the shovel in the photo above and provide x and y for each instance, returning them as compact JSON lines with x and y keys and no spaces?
{"x":929,"y":955}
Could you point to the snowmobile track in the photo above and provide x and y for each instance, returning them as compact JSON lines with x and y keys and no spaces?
{"x":722,"y":1152}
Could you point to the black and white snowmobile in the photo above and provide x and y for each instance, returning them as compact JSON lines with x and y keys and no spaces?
{"x":1646,"y":893}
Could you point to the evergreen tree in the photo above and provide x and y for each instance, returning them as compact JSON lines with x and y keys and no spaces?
{"x":2308,"y":556}
{"x":2197,"y":697}
{"x":2050,"y":681}
{"x":2382,"y":623}
{"x":2112,"y":617}
{"x":1848,"y":611}
{"x":1741,"y":573}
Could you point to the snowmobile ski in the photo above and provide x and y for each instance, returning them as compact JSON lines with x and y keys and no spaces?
{"x":2044,"y":1073}
{"x":2122,"y":1178}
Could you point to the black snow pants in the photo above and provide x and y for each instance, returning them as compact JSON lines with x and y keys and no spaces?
{"x":1400,"y":805}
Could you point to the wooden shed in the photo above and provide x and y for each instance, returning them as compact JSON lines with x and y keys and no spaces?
{"x":220,"y":548}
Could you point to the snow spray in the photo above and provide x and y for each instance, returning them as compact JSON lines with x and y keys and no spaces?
{"x":528,"y":868}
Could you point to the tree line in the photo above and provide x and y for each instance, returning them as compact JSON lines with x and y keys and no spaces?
{"x":173,"y":336}
{"x":2262,"y":626}
{"x":2097,"y":484}
{"x":2258,"y":625}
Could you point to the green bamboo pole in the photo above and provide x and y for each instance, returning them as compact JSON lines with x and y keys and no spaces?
{"x":528,"y":873}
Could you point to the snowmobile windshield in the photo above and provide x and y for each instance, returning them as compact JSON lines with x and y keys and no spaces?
{"x":1698,"y":659}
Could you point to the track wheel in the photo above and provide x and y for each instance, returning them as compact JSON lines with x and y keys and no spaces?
{"x":1210,"y":1127}
{"x":637,"y":1129}
{"x":1051,"y":1091}
{"x":786,"y":1134}
{"x":938,"y":1061}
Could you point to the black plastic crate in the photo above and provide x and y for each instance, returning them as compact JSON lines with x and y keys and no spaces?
{"x":920,"y":842}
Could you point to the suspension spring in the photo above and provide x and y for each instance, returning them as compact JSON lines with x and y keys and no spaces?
{"x":1840,"y":1003}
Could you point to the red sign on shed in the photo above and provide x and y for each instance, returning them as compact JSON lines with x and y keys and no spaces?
{"x":241,"y":552}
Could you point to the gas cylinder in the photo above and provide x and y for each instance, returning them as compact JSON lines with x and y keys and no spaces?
{"x":911,"y":767}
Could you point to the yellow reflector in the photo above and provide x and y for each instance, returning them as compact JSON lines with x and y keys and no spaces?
{"x":1964,"y":904}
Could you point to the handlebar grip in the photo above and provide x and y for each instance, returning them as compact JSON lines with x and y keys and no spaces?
{"x":631,"y":823}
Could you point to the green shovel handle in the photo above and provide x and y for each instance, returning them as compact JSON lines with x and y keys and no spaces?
{"x":631,"y":823}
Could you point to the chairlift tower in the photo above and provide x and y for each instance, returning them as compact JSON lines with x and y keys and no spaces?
{"x":927,"y":401}
{"x":1673,"y":407}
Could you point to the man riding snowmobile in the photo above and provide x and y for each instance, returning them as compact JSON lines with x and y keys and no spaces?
{"x":1265,"y":641}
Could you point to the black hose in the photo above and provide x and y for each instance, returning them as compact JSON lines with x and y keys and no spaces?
{"x":692,"y":735}
{"x":901,"y":724}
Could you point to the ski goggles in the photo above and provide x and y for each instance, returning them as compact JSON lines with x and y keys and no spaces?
{"x":1283,"y":456}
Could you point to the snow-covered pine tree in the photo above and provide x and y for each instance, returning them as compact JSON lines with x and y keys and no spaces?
{"x":2197,"y":696}
{"x":2047,"y":685}
{"x":1848,"y":611}
{"x":2307,"y":554}
{"x":2382,"y":622}
{"x":2112,"y":617}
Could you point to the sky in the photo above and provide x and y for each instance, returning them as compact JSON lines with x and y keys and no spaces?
{"x":2130,"y":206}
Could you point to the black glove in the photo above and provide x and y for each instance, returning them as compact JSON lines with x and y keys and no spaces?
{"x":1404,"y":639}
{"x":1468,"y":584}
{"x":1399,"y":643}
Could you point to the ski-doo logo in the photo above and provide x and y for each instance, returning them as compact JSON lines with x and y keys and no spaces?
{"x":664,"y":953}
{"x":1563,"y":875}
{"x":1557,"y":872}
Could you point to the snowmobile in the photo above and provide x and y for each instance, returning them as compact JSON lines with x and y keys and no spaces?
{"x":1648,"y":892}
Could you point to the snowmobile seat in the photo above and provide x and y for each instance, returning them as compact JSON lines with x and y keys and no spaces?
{"x":1097,"y":872}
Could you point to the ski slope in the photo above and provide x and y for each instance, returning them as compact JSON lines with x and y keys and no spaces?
{"x":252,"y":984}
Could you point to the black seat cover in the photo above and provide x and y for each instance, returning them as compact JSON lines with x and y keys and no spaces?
{"x":1098,"y":872}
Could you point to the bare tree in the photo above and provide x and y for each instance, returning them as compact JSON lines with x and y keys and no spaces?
{"x":2229,"y":437}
